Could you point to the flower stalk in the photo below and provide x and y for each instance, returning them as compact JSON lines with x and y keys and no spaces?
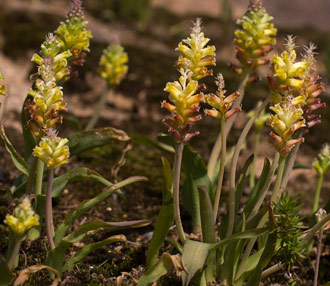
{"x":49,"y":210}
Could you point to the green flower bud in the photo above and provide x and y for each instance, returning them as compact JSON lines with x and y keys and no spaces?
{"x":52,"y":150}
{"x":113,"y":64}
{"x":196,"y":55}
{"x":23,"y":219}
{"x":255,"y":37}
{"x":221,"y":104}
{"x":322,"y":162}
{"x":320,"y":214}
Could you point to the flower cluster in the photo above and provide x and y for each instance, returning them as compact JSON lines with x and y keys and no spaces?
{"x":185,"y":103}
{"x":196,"y":54}
{"x":287,"y":119}
{"x":23,"y":219}
{"x":295,"y":88}
{"x":255,"y":38}
{"x":2,"y":86}
{"x":113,"y":64}
{"x":47,"y":96}
{"x":221,"y":104}
{"x":52,"y":150}
{"x":322,"y":161}
{"x":184,"y":94}
{"x":72,"y":35}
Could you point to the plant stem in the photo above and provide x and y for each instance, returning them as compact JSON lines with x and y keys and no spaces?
{"x":253,"y":165}
{"x":229,"y":123}
{"x":318,"y":255}
{"x":316,"y":227}
{"x":265,"y":187}
{"x":14,"y":251}
{"x":31,"y":176}
{"x":290,"y":164}
{"x":49,"y":211}
{"x":271,"y":270}
{"x":98,"y":109}
{"x":233,"y":165}
{"x":39,"y":178}
{"x":317,"y":193}
{"x":221,"y":171}
{"x":280,"y":171}
{"x":176,"y":190}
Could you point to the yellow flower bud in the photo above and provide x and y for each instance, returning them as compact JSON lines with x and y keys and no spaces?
{"x":23,"y":219}
{"x":322,"y":162}
{"x":2,"y":86}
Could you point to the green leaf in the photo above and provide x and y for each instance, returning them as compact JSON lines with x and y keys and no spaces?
{"x":268,"y":252}
{"x":146,"y":141}
{"x":74,"y":175}
{"x":242,"y":180}
{"x":87,"y":205}
{"x":165,"y":218}
{"x":206,"y":207}
{"x":256,"y":192}
{"x":196,"y":175}
{"x":164,"y":265}
{"x":251,"y":264}
{"x":251,"y":233}
{"x":18,"y":161}
{"x":91,"y":247}
{"x":29,"y":141}
{"x":81,"y":141}
{"x":5,"y":273}
{"x":56,"y":256}
{"x":193,"y":258}
{"x":82,"y":230}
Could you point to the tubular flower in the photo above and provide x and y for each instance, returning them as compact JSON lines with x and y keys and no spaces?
{"x":113,"y":64}
{"x":52,"y":150}
{"x":23,"y":219}
{"x":322,"y":162}
{"x":197,"y":55}
{"x":2,"y":86}
{"x":313,"y":87}
{"x":51,"y":48}
{"x":287,"y":71}
{"x":255,"y":38}
{"x":221,"y":104}
{"x":185,"y":103}
{"x":287,"y":119}
{"x":72,"y":34}
{"x":260,"y":121}
{"x":47,"y":100}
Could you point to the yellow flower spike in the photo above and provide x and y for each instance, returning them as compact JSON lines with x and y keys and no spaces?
{"x":287,"y":119}
{"x":255,"y":37}
{"x":196,"y":55}
{"x":52,"y":150}
{"x":113,"y":64}
{"x":220,"y":102}
{"x":23,"y":219}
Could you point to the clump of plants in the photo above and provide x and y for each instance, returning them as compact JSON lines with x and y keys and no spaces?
{"x":62,"y":53}
{"x":254,"y":238}
{"x":239,"y":247}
